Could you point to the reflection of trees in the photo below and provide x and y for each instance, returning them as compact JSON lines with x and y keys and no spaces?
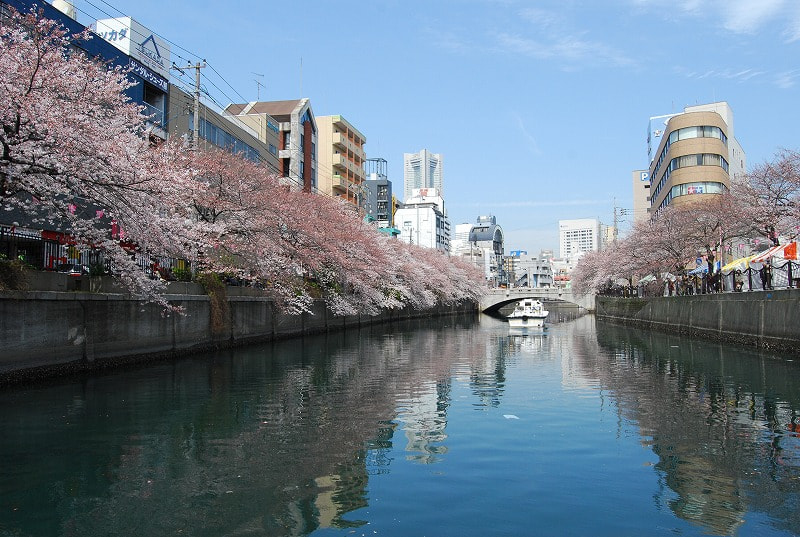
{"x":716,"y":417}
{"x":277,"y":439}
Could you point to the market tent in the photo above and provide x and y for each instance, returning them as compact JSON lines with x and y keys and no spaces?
{"x":789,"y":250}
{"x":741,"y":264}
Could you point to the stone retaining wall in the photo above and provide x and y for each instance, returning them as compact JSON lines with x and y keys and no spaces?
{"x":48,"y":332}
{"x":765,"y":319}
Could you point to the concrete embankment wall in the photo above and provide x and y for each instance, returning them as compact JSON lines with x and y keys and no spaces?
{"x":764,"y":319}
{"x":46,"y":333}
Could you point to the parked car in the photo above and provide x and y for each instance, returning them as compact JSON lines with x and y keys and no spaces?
{"x":73,"y":269}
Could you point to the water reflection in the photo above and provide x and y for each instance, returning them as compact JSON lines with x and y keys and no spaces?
{"x":279,"y":439}
{"x":720,"y":419}
{"x":289,"y":438}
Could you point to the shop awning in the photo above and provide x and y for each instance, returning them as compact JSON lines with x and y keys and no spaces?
{"x":741,"y":264}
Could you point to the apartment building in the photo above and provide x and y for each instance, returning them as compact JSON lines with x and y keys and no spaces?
{"x":297,"y":134}
{"x":341,"y":156}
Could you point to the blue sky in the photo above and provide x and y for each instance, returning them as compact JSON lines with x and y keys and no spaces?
{"x":539,"y":108}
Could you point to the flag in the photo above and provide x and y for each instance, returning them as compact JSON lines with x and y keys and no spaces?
{"x":790,"y":252}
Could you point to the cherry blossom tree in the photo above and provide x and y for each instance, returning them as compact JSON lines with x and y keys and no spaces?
{"x":74,"y":152}
{"x":303,"y":246}
{"x":770,"y":195}
{"x":76,"y":157}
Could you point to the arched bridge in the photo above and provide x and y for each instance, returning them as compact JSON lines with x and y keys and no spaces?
{"x":497,"y":298}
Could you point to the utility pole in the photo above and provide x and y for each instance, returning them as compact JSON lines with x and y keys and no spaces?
{"x":196,"y":130}
{"x":618,"y":211}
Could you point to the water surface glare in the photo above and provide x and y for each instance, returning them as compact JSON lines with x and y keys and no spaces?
{"x":452,"y":427}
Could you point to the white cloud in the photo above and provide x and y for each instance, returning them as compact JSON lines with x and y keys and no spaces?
{"x":793,"y":31}
{"x":528,"y":136}
{"x":569,"y":49}
{"x":787,"y":79}
{"x":747,"y":17}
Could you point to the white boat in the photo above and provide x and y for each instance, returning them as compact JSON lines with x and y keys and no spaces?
{"x":528,"y":313}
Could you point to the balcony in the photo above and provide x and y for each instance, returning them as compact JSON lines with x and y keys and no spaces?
{"x":339,"y":184}
{"x":340,"y":140}
{"x":340,"y":162}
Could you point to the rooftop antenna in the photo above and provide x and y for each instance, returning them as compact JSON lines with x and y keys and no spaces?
{"x":259,"y":85}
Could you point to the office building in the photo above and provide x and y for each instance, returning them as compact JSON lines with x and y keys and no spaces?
{"x":220,"y":131}
{"x":692,"y":154}
{"x":640,"y":180}
{"x":576,"y":237}
{"x":422,"y":170}
{"x":340,"y":155}
{"x":422,"y":220}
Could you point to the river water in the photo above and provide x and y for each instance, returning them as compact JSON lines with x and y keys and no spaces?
{"x":451,"y":427}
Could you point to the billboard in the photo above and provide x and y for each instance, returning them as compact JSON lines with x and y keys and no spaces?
{"x":138,"y":42}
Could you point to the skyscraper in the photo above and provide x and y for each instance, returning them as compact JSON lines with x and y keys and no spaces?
{"x":422,"y":170}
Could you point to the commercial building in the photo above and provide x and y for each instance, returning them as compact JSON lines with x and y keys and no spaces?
{"x":640,"y":180}
{"x":576,"y":237}
{"x":297,"y":136}
{"x":340,"y":155}
{"x":379,"y":201}
{"x":422,"y":170}
{"x":527,"y":271}
{"x":121,"y":43}
{"x":223,"y":132}
{"x":422,"y":220}
{"x":487,"y":238}
{"x":692,"y":154}
{"x":482,"y":243}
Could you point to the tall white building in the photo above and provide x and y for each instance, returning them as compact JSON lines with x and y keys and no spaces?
{"x":422,"y":170}
{"x":422,"y":220}
{"x":578,"y":236}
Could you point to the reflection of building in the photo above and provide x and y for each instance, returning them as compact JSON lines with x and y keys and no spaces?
{"x":692,"y":154}
{"x":422,"y":220}
{"x":424,"y":424}
{"x":341,"y":156}
{"x":718,"y":460}
{"x":422,"y":170}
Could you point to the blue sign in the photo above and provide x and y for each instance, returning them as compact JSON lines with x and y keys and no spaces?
{"x":146,"y":74}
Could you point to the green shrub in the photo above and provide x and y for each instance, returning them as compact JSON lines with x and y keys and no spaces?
{"x":182,"y":275}
{"x":13,"y":275}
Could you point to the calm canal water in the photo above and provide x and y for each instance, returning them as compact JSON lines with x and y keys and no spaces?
{"x":454,"y":427}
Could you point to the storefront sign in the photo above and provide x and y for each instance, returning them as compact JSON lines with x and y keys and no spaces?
{"x":137,"y":42}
